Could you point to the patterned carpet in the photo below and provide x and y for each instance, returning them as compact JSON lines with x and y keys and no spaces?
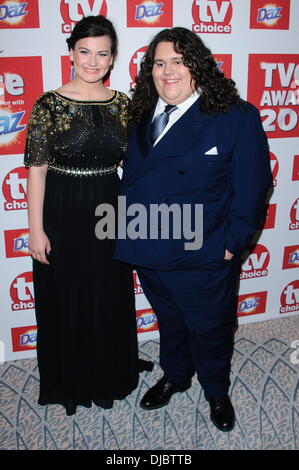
{"x":265,"y":393}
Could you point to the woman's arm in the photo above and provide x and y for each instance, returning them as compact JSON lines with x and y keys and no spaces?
{"x":39,"y":244}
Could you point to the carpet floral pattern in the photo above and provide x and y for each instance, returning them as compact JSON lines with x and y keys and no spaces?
{"x":264,"y":391}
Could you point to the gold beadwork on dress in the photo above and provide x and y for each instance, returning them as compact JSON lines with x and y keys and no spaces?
{"x":76,"y":134}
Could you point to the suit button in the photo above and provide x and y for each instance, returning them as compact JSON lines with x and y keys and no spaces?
{"x":181,"y":172}
{"x":165,"y":199}
{"x":129,"y":185}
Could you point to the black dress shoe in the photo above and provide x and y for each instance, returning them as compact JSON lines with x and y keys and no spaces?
{"x":160,"y":394}
{"x":222,"y":412}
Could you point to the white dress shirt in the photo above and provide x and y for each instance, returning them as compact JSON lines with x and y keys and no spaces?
{"x":176,"y":114}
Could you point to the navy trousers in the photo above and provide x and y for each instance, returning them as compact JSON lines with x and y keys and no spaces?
{"x":196,"y":312}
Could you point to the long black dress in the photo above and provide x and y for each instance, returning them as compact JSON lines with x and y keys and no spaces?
{"x":87,"y":344}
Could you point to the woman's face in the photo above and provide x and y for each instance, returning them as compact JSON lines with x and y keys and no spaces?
{"x":92,"y":58}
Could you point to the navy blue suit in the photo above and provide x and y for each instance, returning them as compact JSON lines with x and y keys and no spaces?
{"x":193,"y":292}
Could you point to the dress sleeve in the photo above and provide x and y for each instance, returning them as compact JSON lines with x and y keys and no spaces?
{"x":123,"y":109}
{"x":37,"y":141}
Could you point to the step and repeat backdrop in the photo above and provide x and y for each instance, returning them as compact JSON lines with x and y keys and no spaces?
{"x":253,"y":41}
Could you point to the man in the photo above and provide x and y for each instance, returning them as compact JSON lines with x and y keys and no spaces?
{"x":207,"y":148}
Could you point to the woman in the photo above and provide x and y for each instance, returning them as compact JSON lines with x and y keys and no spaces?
{"x":87,"y":343}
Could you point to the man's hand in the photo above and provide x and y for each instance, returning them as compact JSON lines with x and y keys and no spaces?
{"x":228,"y":255}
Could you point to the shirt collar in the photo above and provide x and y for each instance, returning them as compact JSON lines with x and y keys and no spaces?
{"x":182,"y":106}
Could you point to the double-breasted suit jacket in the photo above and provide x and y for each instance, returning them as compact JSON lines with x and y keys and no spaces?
{"x":220,"y":160}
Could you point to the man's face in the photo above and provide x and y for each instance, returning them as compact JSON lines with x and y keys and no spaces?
{"x":172,"y":79}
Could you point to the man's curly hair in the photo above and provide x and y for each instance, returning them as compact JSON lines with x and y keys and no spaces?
{"x":217,"y":91}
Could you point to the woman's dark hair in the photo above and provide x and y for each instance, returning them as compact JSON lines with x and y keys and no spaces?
{"x":217,"y":91}
{"x":92,"y":26}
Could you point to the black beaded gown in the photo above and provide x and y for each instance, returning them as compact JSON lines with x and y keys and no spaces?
{"x":87,"y":343}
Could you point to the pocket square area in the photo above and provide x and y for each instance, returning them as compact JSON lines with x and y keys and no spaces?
{"x":212,"y":151}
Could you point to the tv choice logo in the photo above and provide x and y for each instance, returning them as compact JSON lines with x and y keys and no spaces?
{"x":146,"y":321}
{"x":145,"y":13}
{"x":14,"y":189}
{"x":73,"y":11}
{"x":134,"y":65}
{"x":252,"y":304}
{"x":273,"y":88}
{"x":295,"y":174}
{"x":24,"y":338}
{"x":274,"y":167}
{"x":268,"y":15}
{"x":291,"y":257}
{"x":294,"y":216}
{"x":16,"y":243}
{"x":19,"y":14}
{"x":22,"y":292}
{"x":289,"y":299}
{"x":270,"y":217}
{"x":256,"y":262}
{"x":212,"y":16}
{"x":137,"y":286}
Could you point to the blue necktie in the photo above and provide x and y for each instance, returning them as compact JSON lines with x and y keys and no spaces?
{"x":160,"y":122}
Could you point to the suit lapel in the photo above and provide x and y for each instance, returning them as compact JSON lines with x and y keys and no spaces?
{"x":143,"y":139}
{"x":174,"y":142}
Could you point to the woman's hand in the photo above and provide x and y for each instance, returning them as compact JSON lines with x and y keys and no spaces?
{"x":39,"y":246}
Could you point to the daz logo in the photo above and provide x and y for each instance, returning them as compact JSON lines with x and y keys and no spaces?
{"x":18,"y":14}
{"x":21,"y":292}
{"x":73,"y":11}
{"x":291,"y":257}
{"x":146,"y":321}
{"x":24,"y":338}
{"x":251,"y":304}
{"x":268,"y":15}
{"x":294,"y":216}
{"x":146,"y":13}
{"x":12,"y":84}
{"x":289,"y":298}
{"x":212,"y":16}
{"x":256,"y":263}
{"x":14,"y":189}
{"x":16,"y":243}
